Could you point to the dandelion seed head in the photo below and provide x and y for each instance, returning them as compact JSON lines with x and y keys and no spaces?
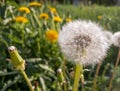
{"x":83,"y":42}
{"x":109,"y":35}
{"x":116,"y":39}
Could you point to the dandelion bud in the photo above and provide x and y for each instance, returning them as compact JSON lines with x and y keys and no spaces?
{"x":61,"y":78}
{"x":16,"y":59}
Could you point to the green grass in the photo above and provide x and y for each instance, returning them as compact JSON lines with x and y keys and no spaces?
{"x":110,"y":20}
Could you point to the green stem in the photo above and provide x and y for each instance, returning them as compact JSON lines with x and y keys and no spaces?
{"x":114,"y":71}
{"x":32,"y":21}
{"x":37,"y":20}
{"x":105,"y":69}
{"x":53,"y":25}
{"x":96,"y":76}
{"x":22,"y":34}
{"x":78,"y":73}
{"x":8,"y":73}
{"x":6,"y":44}
{"x":64,"y":69}
{"x":26,"y":79}
{"x":40,"y":34}
{"x":82,"y":81}
{"x":64,"y":84}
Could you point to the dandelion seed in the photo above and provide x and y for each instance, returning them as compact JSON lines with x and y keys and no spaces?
{"x":83,"y":42}
{"x":116,"y":39}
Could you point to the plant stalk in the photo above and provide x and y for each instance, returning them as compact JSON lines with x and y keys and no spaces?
{"x":64,"y":74}
{"x":114,"y":71}
{"x":26,"y":79}
{"x":96,"y":76}
{"x":78,"y":73}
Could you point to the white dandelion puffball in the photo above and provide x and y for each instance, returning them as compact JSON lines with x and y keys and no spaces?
{"x":109,"y":35}
{"x":83,"y":42}
{"x":116,"y":39}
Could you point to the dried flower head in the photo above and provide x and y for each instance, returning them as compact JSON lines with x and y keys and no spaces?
{"x":116,"y":39}
{"x":24,"y":9}
{"x":83,"y":42}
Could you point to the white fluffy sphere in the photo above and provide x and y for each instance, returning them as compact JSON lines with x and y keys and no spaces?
{"x":83,"y":42}
{"x":116,"y":39}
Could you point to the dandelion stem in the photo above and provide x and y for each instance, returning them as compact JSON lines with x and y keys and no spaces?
{"x":39,"y":32}
{"x":96,"y":76}
{"x":64,"y":69}
{"x":26,"y":79}
{"x":78,"y":73}
{"x":22,"y":34}
{"x":37,"y":20}
{"x":114,"y":71}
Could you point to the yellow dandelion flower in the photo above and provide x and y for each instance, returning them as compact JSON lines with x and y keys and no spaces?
{"x":52,"y":35}
{"x":24,"y":9}
{"x":57,"y":19}
{"x":68,"y":19}
{"x":44,"y":16}
{"x":99,"y":17}
{"x":21,"y":19}
{"x":35,"y":4}
{"x":53,"y":10}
